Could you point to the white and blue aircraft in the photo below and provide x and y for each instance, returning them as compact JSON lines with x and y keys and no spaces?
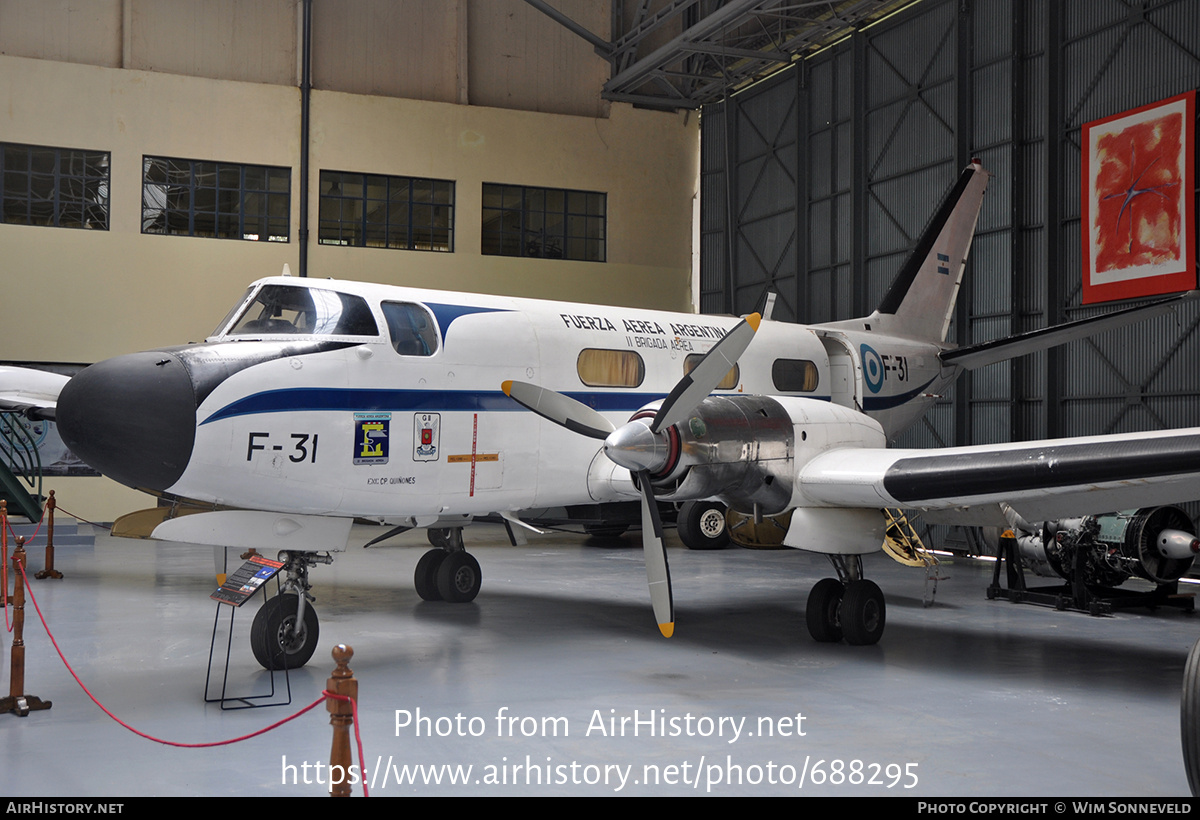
{"x":315,"y":402}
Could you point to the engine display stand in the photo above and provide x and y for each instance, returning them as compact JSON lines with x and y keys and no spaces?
{"x":1077,"y":595}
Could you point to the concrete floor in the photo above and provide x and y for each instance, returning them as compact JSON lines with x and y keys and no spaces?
{"x":968,"y":697}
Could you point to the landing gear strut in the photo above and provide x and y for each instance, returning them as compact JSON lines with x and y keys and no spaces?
{"x":285,"y":629}
{"x":848,"y":606}
{"x":448,"y":572}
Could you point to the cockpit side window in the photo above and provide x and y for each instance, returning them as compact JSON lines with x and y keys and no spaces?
{"x":411,"y":328}
{"x":309,"y":311}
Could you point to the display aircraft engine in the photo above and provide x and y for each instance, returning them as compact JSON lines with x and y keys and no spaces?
{"x":1157,"y":544}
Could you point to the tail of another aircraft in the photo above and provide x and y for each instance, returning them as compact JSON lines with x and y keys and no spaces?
{"x":921,"y":300}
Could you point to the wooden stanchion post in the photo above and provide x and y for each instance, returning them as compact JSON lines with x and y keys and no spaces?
{"x":341,"y":716}
{"x":18,"y":702}
{"x":49,"y":571}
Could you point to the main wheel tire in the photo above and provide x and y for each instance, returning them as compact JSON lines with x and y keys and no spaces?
{"x":1189,"y":719}
{"x":425,"y":576}
{"x":459,"y":578}
{"x":863,"y":613}
{"x":702,"y":525}
{"x":821,"y":613}
{"x":273,"y":635}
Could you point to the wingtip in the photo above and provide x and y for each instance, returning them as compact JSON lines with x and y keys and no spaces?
{"x":753,"y":320}
{"x":667,"y":629}
{"x":506,"y":386}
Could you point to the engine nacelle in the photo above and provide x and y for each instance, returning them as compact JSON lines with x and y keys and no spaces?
{"x":745,"y":449}
{"x":1154,"y":543}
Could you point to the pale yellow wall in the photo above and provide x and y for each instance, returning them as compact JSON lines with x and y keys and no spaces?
{"x":645,"y":161}
{"x":80,"y":296}
{"x":497,"y":53}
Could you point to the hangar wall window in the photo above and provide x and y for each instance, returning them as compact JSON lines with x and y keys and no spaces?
{"x":548,"y":223}
{"x":59,"y":187}
{"x":375,"y":211}
{"x":610,"y":368}
{"x":186,"y":197}
{"x":795,"y":375}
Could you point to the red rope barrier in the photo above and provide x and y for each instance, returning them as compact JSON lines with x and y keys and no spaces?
{"x":324,"y":694}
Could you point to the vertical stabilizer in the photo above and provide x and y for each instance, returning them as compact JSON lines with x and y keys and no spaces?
{"x":921,"y":300}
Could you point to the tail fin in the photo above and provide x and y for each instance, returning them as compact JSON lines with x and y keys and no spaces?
{"x":921,"y":300}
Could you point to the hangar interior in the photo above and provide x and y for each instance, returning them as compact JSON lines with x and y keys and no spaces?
{"x":702,"y":154}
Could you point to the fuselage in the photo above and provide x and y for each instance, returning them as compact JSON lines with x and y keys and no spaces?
{"x":359,"y":399}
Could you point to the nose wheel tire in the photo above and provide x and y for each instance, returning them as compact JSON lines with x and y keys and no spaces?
{"x":276,"y":641}
{"x":702,"y":525}
{"x":459,"y":578}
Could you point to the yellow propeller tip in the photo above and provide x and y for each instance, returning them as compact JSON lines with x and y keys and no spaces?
{"x":753,"y":320}
{"x":506,"y":386}
{"x":667,"y":629}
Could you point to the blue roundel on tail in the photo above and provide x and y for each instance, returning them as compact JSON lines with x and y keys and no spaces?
{"x":872,"y":368}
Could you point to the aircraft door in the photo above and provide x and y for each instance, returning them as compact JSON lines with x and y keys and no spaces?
{"x":844,"y":383}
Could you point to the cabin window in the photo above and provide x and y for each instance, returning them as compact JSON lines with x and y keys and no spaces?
{"x":411,"y":328}
{"x":728,"y":383}
{"x":377,"y":211}
{"x":187,"y":197}
{"x":548,"y":223}
{"x":310,"y":311}
{"x":794,"y":375}
{"x":58,"y":187}
{"x":610,"y":368}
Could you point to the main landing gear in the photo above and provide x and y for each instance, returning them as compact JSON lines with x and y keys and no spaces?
{"x":285,"y":629}
{"x":702,"y":525}
{"x":848,"y":606}
{"x":447,"y":572}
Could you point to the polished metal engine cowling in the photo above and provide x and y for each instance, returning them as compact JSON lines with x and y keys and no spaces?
{"x":738,"y":448}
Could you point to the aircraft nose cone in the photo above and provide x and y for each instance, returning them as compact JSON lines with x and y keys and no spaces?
{"x":132,"y":418}
{"x":635,"y":448}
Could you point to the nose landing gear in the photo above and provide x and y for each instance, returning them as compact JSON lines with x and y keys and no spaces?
{"x":285,"y":630}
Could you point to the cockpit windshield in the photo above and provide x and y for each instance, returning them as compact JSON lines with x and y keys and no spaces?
{"x":305,"y":310}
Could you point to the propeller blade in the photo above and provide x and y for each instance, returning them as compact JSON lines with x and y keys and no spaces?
{"x":694,"y":387}
{"x":658,"y":574}
{"x":560,"y":409}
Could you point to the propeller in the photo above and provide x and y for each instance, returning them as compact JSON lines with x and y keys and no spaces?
{"x":642,"y":448}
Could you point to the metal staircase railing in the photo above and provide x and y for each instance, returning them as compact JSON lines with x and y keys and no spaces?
{"x":20,"y":467}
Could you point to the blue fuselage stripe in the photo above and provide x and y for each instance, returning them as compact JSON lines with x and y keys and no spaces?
{"x":319,"y":399}
{"x":316,"y":399}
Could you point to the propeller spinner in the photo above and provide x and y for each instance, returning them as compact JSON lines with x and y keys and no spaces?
{"x":642,"y":448}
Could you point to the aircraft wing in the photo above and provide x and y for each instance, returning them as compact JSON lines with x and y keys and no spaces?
{"x":28,"y":391}
{"x":1041,"y":480}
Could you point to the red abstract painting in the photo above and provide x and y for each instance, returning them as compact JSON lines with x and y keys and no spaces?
{"x":1138,"y":214}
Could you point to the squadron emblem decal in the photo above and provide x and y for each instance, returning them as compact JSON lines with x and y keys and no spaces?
{"x":426,"y":436}
{"x":371,"y":437}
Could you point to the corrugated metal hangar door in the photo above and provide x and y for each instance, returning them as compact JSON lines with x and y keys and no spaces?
{"x":816,"y":183}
